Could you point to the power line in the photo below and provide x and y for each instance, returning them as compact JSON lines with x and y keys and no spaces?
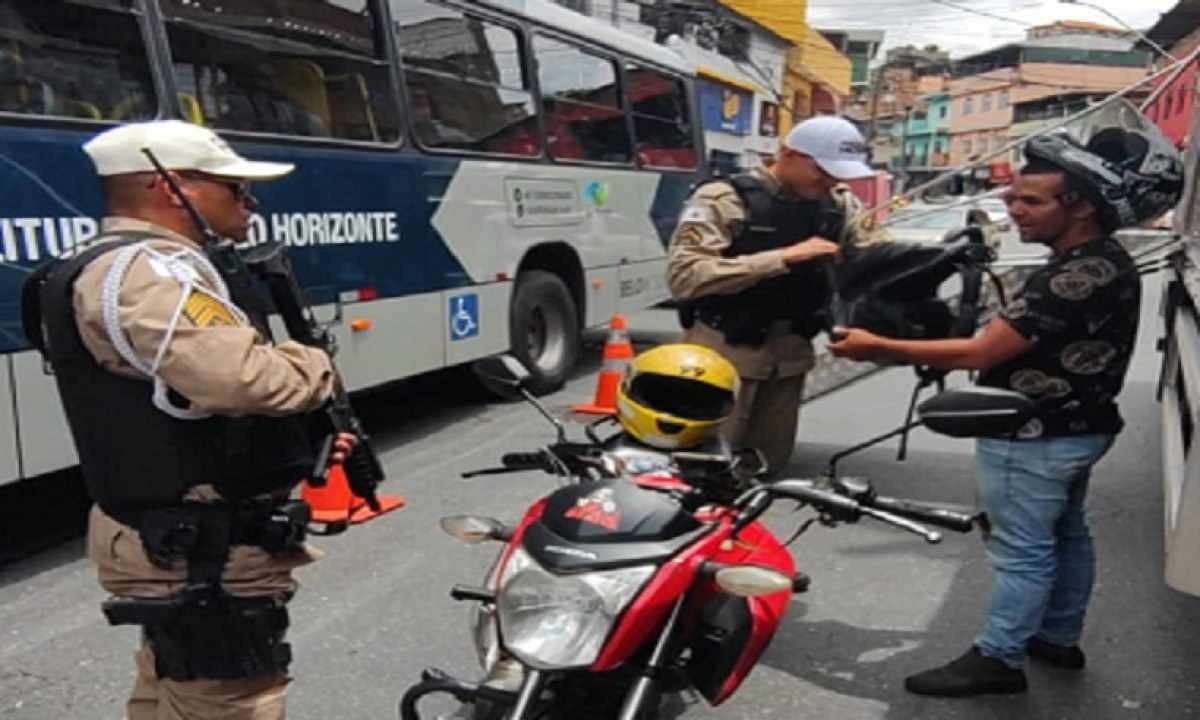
{"x":983,"y":13}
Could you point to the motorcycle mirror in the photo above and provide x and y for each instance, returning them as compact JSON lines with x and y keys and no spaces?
{"x":474,"y":529}
{"x":751,"y":581}
{"x":503,"y":375}
{"x":976,"y":412}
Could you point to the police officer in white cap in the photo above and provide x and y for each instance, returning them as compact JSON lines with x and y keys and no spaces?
{"x":744,"y":265}
{"x":184,"y":418}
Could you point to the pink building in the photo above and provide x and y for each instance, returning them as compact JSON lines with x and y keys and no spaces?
{"x":984,"y":87}
{"x":1174,"y":105}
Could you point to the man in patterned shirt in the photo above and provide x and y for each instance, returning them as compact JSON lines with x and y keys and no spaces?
{"x":1064,"y":341}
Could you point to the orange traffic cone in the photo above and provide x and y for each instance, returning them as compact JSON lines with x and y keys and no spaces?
{"x":335,"y":504}
{"x":618,"y":351}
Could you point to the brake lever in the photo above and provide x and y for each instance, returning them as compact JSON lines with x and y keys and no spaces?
{"x":932,"y":537}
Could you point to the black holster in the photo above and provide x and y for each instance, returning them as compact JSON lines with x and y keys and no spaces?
{"x":202,"y":632}
{"x":203,"y":638}
{"x":223,"y":640}
{"x":686,"y":310}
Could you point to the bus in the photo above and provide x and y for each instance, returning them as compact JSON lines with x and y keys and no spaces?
{"x":1179,"y":382}
{"x":473,"y":176}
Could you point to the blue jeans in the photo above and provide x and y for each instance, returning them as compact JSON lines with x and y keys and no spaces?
{"x":1041,"y":549}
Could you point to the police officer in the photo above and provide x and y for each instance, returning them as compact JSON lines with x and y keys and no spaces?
{"x":185,"y":420}
{"x":744,"y":264}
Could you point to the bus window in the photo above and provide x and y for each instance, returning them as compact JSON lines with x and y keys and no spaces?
{"x":584,"y":119}
{"x":466,"y":82}
{"x":74,"y":59}
{"x":661,"y":121}
{"x":313,"y":68}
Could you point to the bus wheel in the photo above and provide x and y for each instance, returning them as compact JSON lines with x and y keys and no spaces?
{"x":544,"y":327}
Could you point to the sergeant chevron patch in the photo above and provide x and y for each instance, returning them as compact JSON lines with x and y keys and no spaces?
{"x":206,"y":311}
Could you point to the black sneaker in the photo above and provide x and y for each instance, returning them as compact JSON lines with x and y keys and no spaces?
{"x":1061,"y":656}
{"x":971,"y":674}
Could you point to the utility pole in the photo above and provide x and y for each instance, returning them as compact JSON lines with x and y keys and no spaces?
{"x":879,"y":80}
{"x":904,"y":146}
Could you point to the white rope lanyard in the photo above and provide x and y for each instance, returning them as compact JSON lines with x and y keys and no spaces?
{"x":186,"y":266}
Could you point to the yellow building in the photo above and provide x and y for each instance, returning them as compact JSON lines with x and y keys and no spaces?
{"x":817,"y":78}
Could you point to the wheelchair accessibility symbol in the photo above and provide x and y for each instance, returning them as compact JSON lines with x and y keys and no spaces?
{"x":464,"y":317}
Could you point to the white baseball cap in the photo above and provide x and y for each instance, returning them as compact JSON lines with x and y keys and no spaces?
{"x":834,"y":143}
{"x":178,"y":146}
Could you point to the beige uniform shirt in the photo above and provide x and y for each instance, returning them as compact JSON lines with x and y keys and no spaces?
{"x":223,"y":367}
{"x":696,"y":267}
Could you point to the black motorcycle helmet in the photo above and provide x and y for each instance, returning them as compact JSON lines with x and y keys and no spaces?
{"x":1130,"y":175}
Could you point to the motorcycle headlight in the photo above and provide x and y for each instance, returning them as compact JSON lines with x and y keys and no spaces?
{"x":560,"y":621}
{"x":483,"y":624}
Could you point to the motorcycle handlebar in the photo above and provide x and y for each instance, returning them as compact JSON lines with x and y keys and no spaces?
{"x":847,"y":508}
{"x":524,"y":461}
{"x":929,"y":514}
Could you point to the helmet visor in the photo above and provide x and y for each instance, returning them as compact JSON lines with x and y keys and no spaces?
{"x":680,"y":397}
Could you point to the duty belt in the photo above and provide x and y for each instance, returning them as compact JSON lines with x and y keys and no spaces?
{"x":738,"y":331}
{"x":202,"y":533}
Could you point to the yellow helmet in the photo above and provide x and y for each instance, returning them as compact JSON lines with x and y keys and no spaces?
{"x":676,"y":396}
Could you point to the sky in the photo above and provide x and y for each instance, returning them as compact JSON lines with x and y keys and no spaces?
{"x":921,"y":22}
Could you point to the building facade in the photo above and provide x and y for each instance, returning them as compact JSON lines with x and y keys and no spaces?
{"x":926,"y":135}
{"x":1173,"y":101}
{"x":817,"y":77}
{"x":985,"y":88}
{"x":861,"y":46}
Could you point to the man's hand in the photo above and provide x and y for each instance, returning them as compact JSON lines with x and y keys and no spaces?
{"x":810,"y":249}
{"x":855,"y":343}
{"x":343,"y":445}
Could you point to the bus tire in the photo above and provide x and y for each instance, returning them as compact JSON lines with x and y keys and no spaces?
{"x":544,"y":329}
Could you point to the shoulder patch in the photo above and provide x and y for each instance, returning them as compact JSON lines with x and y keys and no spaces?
{"x":206,"y":311}
{"x":696,"y":214}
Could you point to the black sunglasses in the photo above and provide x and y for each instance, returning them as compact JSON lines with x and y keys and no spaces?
{"x":239,"y":188}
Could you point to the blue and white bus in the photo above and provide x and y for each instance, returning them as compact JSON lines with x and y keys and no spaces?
{"x":473,"y":176}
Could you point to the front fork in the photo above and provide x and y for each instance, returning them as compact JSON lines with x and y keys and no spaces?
{"x":647,"y":681}
{"x":436,"y":682}
{"x":524,"y":701}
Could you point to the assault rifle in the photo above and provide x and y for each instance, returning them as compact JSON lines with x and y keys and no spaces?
{"x":270,"y":265}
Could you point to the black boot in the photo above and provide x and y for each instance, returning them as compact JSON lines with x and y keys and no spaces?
{"x":971,"y":674}
{"x":1062,"y":656}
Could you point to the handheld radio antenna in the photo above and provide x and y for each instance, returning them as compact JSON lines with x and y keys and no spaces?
{"x":197,"y":220}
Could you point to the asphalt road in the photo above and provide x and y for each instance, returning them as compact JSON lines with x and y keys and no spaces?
{"x":883,"y":603}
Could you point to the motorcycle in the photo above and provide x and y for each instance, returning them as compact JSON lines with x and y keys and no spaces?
{"x":650,"y":573}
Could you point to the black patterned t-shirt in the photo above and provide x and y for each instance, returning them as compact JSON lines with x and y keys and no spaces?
{"x":1081,"y":313}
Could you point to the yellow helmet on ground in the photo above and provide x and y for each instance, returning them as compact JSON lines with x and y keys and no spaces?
{"x":676,"y":396}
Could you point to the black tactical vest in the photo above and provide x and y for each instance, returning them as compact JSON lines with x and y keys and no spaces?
{"x":774,"y":221}
{"x":134,"y":456}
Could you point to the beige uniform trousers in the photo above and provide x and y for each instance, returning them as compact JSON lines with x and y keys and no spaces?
{"x":766,"y":417}
{"x":767,"y":413}
{"x":124,"y":569}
